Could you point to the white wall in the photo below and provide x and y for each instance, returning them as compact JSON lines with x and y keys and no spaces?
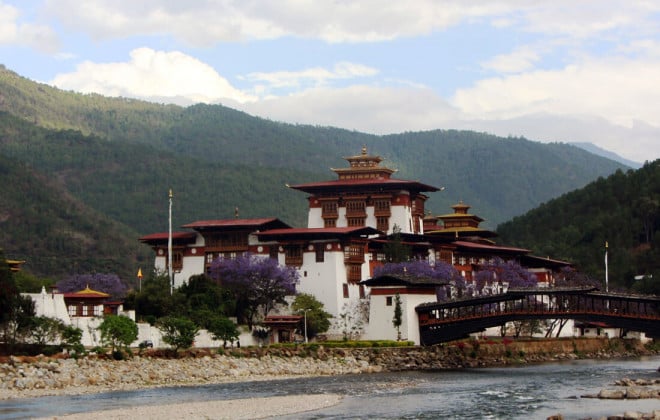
{"x":401,"y":217}
{"x":50,"y":305}
{"x":191,"y":266}
{"x":314,"y":219}
{"x":381,"y":317}
{"x":324,"y":280}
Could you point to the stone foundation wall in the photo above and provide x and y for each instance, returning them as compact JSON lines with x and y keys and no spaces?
{"x":41,"y":375}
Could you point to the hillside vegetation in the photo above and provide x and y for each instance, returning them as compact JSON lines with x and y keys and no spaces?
{"x":119,"y":157}
{"x":622,"y":210}
{"x":56,"y":234}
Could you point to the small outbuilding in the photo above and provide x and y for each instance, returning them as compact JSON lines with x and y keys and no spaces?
{"x":412,"y":290}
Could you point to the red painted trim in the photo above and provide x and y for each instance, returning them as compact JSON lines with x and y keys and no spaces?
{"x":403,"y":291}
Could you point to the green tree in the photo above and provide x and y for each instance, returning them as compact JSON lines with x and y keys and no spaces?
{"x":205,"y":300}
{"x":72,"y":339}
{"x":395,"y":250}
{"x":179,"y":333}
{"x":29,"y":283}
{"x":318,"y":320}
{"x":118,"y":332}
{"x":222,"y":328}
{"x":397,"y":320}
{"x":154,"y":300}
{"x":16,"y":311}
{"x":45,"y":330}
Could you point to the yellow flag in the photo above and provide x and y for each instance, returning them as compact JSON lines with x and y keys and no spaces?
{"x":139,"y":273}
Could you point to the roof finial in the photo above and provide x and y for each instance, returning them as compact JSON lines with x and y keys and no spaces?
{"x":236,"y":212}
{"x":364,"y":150}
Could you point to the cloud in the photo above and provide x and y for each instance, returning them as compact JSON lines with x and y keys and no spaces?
{"x":153,"y":74}
{"x":311,"y":77}
{"x":522,"y":59}
{"x":206,"y":22}
{"x":377,"y":110}
{"x":617,"y":89}
{"x":13,"y":31}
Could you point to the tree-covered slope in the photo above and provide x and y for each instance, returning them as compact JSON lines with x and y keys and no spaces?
{"x":41,"y":223}
{"x":500,"y":177}
{"x":622,"y":210}
{"x":130,"y":182}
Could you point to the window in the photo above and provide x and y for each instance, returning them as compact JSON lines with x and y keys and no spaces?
{"x":293,"y":255}
{"x":355,"y":207}
{"x":354,"y":273}
{"x":329,"y":223}
{"x":177,"y":260}
{"x":320,"y":253}
{"x":388,"y":301}
{"x":383,"y":223}
{"x":354,"y":253}
{"x":382,"y":207}
{"x":355,"y":221}
{"x":273,"y":252}
{"x":362,"y":293}
{"x":345,"y":289}
{"x":329,"y":209}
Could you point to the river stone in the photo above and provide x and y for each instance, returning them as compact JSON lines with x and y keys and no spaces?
{"x":609,"y":394}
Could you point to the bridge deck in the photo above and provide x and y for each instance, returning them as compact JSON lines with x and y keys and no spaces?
{"x":446,"y":321}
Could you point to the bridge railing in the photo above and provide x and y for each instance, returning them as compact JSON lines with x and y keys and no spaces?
{"x":546,"y":305}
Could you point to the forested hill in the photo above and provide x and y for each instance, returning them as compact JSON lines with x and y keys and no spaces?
{"x":120,"y":156}
{"x":499,"y":177}
{"x":622,"y":210}
{"x":41,"y":223}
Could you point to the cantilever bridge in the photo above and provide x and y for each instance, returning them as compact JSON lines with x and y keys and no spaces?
{"x":451,"y":320}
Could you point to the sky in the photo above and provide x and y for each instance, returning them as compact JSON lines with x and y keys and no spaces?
{"x":550,"y":71}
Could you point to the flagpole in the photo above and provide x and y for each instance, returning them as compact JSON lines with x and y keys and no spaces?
{"x":606,"y":272}
{"x":169,"y":248}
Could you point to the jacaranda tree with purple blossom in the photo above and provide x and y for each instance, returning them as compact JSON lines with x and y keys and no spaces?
{"x":257,"y":283}
{"x":106,"y":283}
{"x":420,"y":268}
{"x":499,"y":271}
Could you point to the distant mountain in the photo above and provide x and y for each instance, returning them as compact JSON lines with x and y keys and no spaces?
{"x":592,"y":148}
{"x":120,"y":157}
{"x":622,"y":210}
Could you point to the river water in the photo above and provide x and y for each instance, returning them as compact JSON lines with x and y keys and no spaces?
{"x":526,"y":392}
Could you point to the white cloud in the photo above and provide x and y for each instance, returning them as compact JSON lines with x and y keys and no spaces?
{"x":617,"y":89}
{"x":205,"y":22}
{"x":153,"y":74}
{"x":210,"y":21}
{"x":315,"y":76}
{"x":13,"y":31}
{"x":522,"y":59}
{"x":588,"y":18}
{"x":370,"y":109}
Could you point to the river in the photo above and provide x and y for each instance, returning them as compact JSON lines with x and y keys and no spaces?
{"x":525,"y":392}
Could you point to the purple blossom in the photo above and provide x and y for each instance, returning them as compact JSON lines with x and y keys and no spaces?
{"x":258,"y":283}
{"x":501,"y":271}
{"x":106,"y":283}
{"x":419,"y":268}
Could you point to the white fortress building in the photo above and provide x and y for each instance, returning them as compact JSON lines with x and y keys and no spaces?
{"x":350,"y":221}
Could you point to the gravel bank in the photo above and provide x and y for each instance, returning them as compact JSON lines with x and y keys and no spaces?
{"x":27,"y":377}
{"x":251,"y":408}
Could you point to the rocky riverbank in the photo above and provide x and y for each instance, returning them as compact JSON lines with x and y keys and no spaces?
{"x":36,"y":376}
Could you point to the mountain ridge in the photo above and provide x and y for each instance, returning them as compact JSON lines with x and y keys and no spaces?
{"x":120,"y":156}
